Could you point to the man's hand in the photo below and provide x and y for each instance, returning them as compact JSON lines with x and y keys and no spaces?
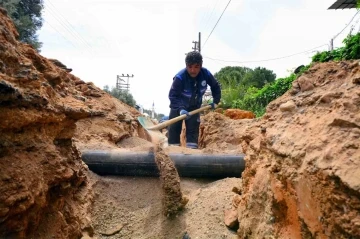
{"x":184,"y":112}
{"x":213,"y":105}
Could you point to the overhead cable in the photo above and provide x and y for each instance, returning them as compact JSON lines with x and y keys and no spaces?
{"x":346,"y":25}
{"x":56,"y":14}
{"x":277,"y":58}
{"x":216,"y":24}
{"x":55,"y":29}
{"x":271,"y":59}
{"x":71,"y":27}
{"x":210,"y":16}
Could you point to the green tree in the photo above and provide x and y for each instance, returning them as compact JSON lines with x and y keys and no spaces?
{"x":121,"y":95}
{"x":231,"y":76}
{"x":235,"y":80}
{"x":26,"y":15}
{"x":259,"y":77}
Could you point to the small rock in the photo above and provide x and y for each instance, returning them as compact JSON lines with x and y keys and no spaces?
{"x":78,"y":97}
{"x":113,"y":230}
{"x":305,"y":83}
{"x":231,"y":218}
{"x":288,"y":106}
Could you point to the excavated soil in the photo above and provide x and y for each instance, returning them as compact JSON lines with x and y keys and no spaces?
{"x":135,"y":203}
{"x":172,"y":197}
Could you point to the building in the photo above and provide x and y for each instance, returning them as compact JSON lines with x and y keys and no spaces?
{"x":342,"y":4}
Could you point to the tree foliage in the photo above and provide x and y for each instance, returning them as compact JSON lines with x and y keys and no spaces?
{"x":235,"y":80}
{"x":233,"y":76}
{"x":261,"y":76}
{"x":26,"y":15}
{"x":121,"y":95}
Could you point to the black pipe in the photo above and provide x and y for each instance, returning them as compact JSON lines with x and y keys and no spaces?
{"x":105,"y":162}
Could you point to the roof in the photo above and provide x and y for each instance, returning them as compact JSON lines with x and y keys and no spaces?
{"x":342,"y":4}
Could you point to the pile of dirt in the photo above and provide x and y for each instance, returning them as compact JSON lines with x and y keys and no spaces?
{"x":302,"y":177}
{"x":44,"y":188}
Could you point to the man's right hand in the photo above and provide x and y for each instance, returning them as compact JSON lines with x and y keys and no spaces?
{"x":184,"y":112}
{"x":213,"y":105}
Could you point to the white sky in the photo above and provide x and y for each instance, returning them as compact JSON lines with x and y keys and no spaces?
{"x":100,"y":39}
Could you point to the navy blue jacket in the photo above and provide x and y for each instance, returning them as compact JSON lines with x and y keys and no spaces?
{"x":183,"y":87}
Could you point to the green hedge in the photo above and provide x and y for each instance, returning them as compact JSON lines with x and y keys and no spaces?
{"x":256,"y":100}
{"x":350,"y":50}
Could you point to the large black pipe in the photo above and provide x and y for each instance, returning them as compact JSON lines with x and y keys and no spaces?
{"x":105,"y":162}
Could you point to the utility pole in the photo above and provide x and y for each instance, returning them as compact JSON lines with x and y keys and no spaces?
{"x":123,"y":86}
{"x":331,"y":46}
{"x":119,"y":85}
{"x":197,"y":44}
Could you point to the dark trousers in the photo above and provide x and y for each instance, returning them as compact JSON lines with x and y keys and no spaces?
{"x":192,"y":129}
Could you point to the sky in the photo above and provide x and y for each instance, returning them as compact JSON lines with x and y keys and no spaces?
{"x":100,"y":39}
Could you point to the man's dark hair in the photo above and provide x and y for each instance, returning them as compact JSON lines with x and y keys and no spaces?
{"x":193,"y":57}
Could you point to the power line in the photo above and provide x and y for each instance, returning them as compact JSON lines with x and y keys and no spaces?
{"x":354,"y":25}
{"x":205,"y":15}
{"x":271,"y":59}
{"x":75,"y":35}
{"x":217,"y":61}
{"x":346,"y":25}
{"x":277,"y":58}
{"x":71,"y":27}
{"x":62,"y":25}
{"x":210,"y":16}
{"x":63,"y":36}
{"x":216,"y":24}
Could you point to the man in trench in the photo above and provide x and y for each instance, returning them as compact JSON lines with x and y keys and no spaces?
{"x":186,"y":93}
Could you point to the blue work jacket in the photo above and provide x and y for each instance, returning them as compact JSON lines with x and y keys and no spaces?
{"x":187,"y":92}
